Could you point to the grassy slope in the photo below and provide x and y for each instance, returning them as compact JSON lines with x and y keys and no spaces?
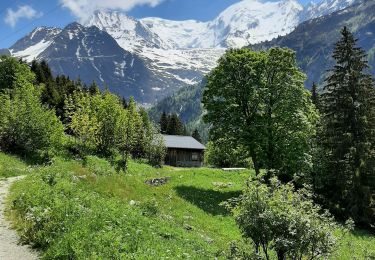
{"x":191,"y":197}
{"x":12,"y":166}
{"x":187,"y":217}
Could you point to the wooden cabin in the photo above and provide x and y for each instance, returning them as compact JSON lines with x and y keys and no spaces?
{"x":183,"y":151}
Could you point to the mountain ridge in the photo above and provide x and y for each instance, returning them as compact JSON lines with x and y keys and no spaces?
{"x":312,"y":46}
{"x":170,"y":54}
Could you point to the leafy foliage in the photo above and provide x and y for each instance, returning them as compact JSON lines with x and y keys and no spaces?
{"x":223,"y":152}
{"x":103,"y":126}
{"x":55,"y":90}
{"x":26,"y":126}
{"x":275,"y":217}
{"x":14,"y":74}
{"x":157,"y":151}
{"x":253,"y":97}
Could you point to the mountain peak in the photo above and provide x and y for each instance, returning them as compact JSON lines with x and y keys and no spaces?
{"x":104,"y":19}
{"x":74,"y":26}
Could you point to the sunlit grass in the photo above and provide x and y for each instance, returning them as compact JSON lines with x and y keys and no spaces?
{"x":12,"y":166}
{"x":184,"y":214}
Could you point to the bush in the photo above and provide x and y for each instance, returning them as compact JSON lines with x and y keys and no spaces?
{"x":277,"y":217}
{"x":157,"y":151}
{"x":26,"y":126}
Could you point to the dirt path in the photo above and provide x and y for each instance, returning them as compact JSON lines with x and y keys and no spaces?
{"x":10,"y":249}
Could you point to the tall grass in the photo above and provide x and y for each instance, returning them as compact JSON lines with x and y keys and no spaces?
{"x":84,"y":210}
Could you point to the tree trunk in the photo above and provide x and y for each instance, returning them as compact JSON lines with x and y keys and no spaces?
{"x":257,"y":248}
{"x":125,"y":161}
{"x":281,"y":255}
{"x":255,"y":162}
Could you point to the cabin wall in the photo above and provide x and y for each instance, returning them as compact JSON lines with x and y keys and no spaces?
{"x":184,"y":157}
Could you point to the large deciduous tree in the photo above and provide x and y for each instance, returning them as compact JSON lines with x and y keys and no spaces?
{"x":347,"y":139}
{"x":259,"y":100}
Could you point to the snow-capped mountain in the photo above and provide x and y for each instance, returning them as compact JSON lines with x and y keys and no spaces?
{"x":246,"y":22}
{"x":167,"y":58}
{"x":150,"y":58}
{"x":91,"y":55}
{"x":319,"y":8}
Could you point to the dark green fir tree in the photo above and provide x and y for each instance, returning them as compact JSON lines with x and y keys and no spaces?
{"x":94,"y":89}
{"x":347,"y":139}
{"x":163,"y":123}
{"x":175,"y":126}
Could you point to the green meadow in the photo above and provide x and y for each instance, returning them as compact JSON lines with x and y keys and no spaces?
{"x":86,"y":210}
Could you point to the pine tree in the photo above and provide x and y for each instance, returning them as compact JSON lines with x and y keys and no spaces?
{"x":175,"y":126}
{"x":94,"y":89}
{"x":163,"y":123}
{"x":347,"y":140}
{"x":196,"y":135}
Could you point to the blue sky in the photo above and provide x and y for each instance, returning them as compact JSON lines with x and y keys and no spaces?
{"x":19,"y":17}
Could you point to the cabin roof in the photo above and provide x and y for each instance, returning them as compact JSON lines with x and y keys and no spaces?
{"x":182,"y":142}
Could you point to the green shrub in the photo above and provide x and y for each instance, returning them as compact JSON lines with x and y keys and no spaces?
{"x":14,"y":74}
{"x":26,"y":126}
{"x":275,"y":217}
{"x":157,"y":151}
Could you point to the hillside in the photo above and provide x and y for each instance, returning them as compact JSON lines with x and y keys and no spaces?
{"x":180,"y":219}
{"x":102,"y":209}
{"x":186,"y":103}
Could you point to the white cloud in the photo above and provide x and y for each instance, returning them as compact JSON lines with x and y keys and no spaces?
{"x":23,"y":12}
{"x":84,"y":8}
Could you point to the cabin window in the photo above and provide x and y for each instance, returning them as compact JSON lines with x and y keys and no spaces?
{"x":194,"y":156}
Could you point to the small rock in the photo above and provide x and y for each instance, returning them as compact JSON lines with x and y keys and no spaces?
{"x":222,"y":184}
{"x":157,"y":181}
{"x":188,"y":227}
